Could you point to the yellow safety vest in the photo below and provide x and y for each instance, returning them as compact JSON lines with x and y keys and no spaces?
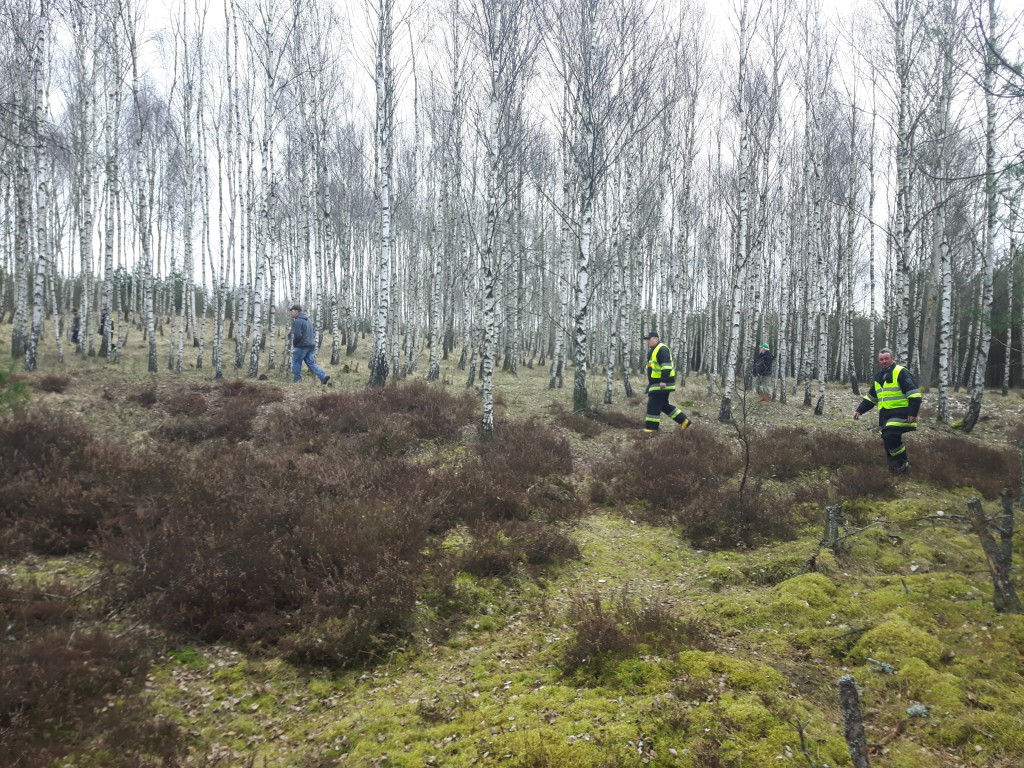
{"x":656,"y":368}
{"x":888,"y":393}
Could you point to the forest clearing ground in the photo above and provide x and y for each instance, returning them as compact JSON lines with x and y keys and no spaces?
{"x":495,"y":690}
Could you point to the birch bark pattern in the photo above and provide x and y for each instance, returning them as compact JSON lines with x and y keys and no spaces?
{"x":42,"y":189}
{"x":740,"y":261}
{"x":384,"y":81}
{"x":987,"y":254}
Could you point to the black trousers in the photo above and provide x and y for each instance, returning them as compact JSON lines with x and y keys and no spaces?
{"x":892,"y":438}
{"x":657,"y":404}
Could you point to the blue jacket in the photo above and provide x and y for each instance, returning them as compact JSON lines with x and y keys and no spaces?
{"x":302,"y":332}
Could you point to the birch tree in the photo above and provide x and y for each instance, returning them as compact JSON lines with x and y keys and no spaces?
{"x":991,"y":209}
{"x":268,"y":35}
{"x":744,"y":24}
{"x":384,"y":82}
{"x":604,"y":51}
{"x":37,"y":105}
{"x":947,"y":33}
{"x":507,"y":37}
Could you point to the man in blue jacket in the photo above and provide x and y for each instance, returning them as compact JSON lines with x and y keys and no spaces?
{"x":304,"y":346}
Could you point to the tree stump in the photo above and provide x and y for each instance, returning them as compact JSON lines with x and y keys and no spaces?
{"x":853,"y":721}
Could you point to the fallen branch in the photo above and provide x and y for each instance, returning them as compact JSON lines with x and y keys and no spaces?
{"x":852,"y":631}
{"x":800,"y":727}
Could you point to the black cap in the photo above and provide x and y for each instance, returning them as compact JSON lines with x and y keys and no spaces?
{"x":652,"y":335}
{"x":295,"y":308}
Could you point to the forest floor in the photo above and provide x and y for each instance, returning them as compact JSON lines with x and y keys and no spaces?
{"x":764,"y":631}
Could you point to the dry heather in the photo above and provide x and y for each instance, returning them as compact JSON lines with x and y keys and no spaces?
{"x":242,"y":572}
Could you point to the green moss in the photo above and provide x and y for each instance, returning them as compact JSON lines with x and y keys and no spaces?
{"x":814,"y":588}
{"x":939,"y":691}
{"x":637,"y":674}
{"x":720,"y":575}
{"x":1015,"y":631}
{"x":745,"y":712}
{"x":738,"y":674}
{"x":907,"y":754}
{"x":827,"y":563}
{"x":188,"y":657}
{"x":896,"y":640}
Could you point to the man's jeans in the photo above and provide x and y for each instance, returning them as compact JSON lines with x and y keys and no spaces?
{"x":305,"y":355}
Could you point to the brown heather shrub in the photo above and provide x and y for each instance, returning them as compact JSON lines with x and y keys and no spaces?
{"x":36,"y":442}
{"x":263,"y":549}
{"x":666,"y":471}
{"x":59,"y":484}
{"x":515,"y":475}
{"x":616,"y":419}
{"x":25,"y":605}
{"x":784,"y":452}
{"x":53,"y":382}
{"x":718,"y":519}
{"x":527,"y":450}
{"x":580,"y":424}
{"x":590,"y":422}
{"x":962,"y":462}
{"x":186,"y":404}
{"x":860,"y":481}
{"x":65,"y":691}
{"x":605,"y":634}
{"x":597,"y":637}
{"x":256,"y":394}
{"x":430,"y":412}
{"x":809,"y":493}
{"x":232,"y":422}
{"x":144,"y":395}
{"x":392,"y":418}
{"x":498,"y":548}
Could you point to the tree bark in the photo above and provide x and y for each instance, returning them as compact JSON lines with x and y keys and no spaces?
{"x":853,"y":721}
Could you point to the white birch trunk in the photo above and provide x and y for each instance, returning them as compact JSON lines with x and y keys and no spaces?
{"x":385,"y":99}
{"x":987,"y":256}
{"x":742,"y":205}
{"x":945,"y":315}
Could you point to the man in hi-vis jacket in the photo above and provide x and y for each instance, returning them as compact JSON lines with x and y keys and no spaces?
{"x":661,"y":382}
{"x":895,"y":393}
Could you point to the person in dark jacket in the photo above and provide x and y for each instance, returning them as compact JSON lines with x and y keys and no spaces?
{"x":898,"y":398}
{"x":661,"y":382}
{"x":763,"y":362}
{"x":304,"y":346}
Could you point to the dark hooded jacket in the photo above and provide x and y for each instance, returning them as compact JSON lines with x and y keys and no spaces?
{"x":302,"y":332}
{"x":763,"y":362}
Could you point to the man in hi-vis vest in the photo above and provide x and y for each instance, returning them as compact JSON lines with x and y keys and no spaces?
{"x":661,"y":381}
{"x":895,"y":393}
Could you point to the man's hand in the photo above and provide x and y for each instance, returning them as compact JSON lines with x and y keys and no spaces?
{"x":661,"y":385}
{"x":911,"y":419}
{"x":856,"y":415}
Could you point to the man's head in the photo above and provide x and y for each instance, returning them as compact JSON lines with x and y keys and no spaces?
{"x":764,"y":345}
{"x":652,"y":339}
{"x":885,"y":358}
{"x":296,"y":308}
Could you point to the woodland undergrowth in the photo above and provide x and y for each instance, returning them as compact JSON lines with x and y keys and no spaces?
{"x":625,"y":599}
